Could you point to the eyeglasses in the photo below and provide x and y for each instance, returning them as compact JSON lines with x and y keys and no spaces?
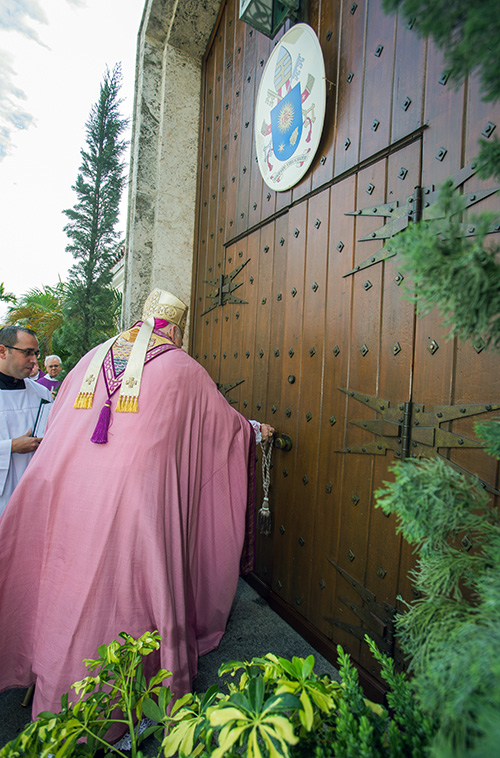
{"x":28,"y":351}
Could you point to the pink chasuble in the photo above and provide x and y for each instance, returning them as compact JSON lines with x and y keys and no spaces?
{"x":145,"y":532}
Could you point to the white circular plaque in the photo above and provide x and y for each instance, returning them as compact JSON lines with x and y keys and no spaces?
{"x":290,"y":108}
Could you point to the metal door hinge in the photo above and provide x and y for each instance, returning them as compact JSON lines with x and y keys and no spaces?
{"x":422,"y":204}
{"x":378,"y":619}
{"x":224,"y":389}
{"x":411,"y":431}
{"x":224,"y":286}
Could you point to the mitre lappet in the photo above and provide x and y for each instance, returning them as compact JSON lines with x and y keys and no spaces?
{"x":124,"y":356}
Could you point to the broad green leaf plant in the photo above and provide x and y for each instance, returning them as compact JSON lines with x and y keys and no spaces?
{"x":282,"y":709}
{"x":115,"y":693}
{"x":264,"y":714}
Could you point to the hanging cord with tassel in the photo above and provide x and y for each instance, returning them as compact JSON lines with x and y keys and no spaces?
{"x":264,"y":515}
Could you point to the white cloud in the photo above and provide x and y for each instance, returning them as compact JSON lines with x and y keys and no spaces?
{"x":12,"y":113}
{"x":19,"y":16}
{"x":15,"y":15}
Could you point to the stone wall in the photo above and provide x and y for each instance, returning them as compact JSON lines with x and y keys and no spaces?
{"x":164,"y":157}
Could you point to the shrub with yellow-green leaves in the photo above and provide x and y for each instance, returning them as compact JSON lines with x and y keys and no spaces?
{"x":282,"y":709}
{"x":274,"y":703}
{"x":274,"y":708}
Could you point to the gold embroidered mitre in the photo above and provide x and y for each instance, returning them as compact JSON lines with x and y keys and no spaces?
{"x":162,"y":304}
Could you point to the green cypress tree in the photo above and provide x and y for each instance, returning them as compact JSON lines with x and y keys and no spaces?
{"x":92,"y":306}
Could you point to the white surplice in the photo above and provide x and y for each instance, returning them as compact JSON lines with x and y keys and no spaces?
{"x":18,"y":410}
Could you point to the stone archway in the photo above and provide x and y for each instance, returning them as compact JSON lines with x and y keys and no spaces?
{"x":164,"y":157}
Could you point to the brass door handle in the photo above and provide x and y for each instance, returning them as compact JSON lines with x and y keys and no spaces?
{"x":283,"y":442}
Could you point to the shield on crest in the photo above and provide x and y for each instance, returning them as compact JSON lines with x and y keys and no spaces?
{"x":283,"y":70}
{"x":286,"y":124}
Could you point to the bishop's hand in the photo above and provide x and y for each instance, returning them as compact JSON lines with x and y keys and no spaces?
{"x":266,"y":431}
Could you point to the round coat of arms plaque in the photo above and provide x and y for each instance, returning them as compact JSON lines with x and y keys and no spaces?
{"x":290,"y":108}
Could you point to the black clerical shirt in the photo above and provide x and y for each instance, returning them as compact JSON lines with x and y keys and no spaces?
{"x":10,"y":383}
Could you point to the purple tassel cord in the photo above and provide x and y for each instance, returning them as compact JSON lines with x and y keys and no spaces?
{"x":100,"y":435}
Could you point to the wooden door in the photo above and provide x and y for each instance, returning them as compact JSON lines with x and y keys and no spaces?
{"x":299,"y":312}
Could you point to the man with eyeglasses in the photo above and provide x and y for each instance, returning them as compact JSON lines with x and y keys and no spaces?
{"x":50,"y":380}
{"x":19,"y":405}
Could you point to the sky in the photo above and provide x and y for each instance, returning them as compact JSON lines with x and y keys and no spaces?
{"x":53,"y":56}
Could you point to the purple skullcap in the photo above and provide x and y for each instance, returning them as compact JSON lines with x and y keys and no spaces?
{"x":161,"y":323}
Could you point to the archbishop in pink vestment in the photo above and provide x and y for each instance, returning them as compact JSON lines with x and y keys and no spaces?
{"x":145,"y":532}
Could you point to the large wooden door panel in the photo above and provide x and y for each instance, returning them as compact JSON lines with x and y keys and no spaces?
{"x":305,"y":504}
{"x":272,"y":275}
{"x":287,"y":401}
{"x":363,"y":358}
{"x":443,"y":112}
{"x":231,"y":113}
{"x":329,"y":512}
{"x":349,"y":86}
{"x":328,"y":34}
{"x":245,"y":91}
{"x":247,"y":313}
{"x":378,"y":78}
{"x":409,"y":67}
{"x":232,"y":332}
{"x":261,"y":202}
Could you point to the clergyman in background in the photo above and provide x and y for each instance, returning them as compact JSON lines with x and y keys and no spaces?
{"x":53,"y":367}
{"x":35,"y":372}
{"x":19,"y":405}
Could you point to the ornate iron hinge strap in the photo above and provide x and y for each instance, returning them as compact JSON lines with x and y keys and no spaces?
{"x":378,"y":619}
{"x":224,"y":389}
{"x":388,"y":427}
{"x":224,"y":286}
{"x":412,"y":432}
{"x":422,"y":204}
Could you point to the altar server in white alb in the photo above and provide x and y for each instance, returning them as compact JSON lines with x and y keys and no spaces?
{"x":20,"y":399}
